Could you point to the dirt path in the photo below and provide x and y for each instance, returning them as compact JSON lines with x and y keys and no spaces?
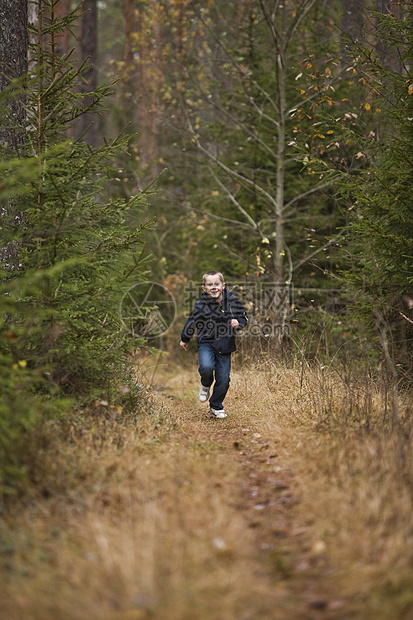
{"x":291,"y":563}
{"x":180,"y":517}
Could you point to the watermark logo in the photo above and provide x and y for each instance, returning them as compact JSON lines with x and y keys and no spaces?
{"x":148,"y":310}
{"x":265,"y":302}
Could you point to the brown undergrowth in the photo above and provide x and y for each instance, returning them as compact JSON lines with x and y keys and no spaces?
{"x":287,"y":510}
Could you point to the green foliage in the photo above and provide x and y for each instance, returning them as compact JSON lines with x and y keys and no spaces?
{"x":370,"y":159}
{"x":70,"y":252}
{"x":382,"y":226}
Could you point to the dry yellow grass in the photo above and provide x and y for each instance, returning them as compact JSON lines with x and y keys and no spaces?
{"x":286,"y":510}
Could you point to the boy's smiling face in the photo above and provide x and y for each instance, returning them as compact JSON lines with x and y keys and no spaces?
{"x":214,"y":287}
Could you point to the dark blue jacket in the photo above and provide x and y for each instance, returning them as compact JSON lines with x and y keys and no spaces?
{"x":211,"y":321}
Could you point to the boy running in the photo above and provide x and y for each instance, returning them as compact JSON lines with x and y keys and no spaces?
{"x":215,"y":317}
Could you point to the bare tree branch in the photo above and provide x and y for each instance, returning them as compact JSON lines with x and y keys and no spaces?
{"x":320,"y":249}
{"x":262,"y":114}
{"x":242,"y":179}
{"x":235,"y":202}
{"x":248,"y":131}
{"x":306,"y":6}
{"x":306,"y":193}
{"x":235,"y":64}
{"x":219,"y":217}
{"x":239,"y":257}
{"x":406,"y":317}
{"x":270,"y":19}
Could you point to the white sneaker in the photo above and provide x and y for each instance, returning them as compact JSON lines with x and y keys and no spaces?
{"x":217,"y":413}
{"x":203,"y":393}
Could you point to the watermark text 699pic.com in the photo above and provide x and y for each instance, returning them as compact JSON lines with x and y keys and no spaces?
{"x":149,"y":309}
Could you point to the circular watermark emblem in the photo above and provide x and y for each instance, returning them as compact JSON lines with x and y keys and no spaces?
{"x":147,"y":310}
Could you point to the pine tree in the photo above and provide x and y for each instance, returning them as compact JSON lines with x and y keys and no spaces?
{"x":78,"y":250}
{"x":382,"y":226}
{"x":371,"y":162}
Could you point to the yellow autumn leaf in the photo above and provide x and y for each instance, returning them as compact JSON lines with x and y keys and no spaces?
{"x":367,"y":106}
{"x":22,"y":363}
{"x":410,"y":89}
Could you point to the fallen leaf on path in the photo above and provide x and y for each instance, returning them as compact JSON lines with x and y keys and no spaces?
{"x":319,"y":547}
{"x":303,"y":565}
{"x":338,"y":604}
{"x":259,"y":506}
{"x":219,"y":543}
{"x":299,"y":530}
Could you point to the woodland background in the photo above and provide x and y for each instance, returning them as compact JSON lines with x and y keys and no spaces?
{"x":146,"y":141}
{"x":151,"y":141}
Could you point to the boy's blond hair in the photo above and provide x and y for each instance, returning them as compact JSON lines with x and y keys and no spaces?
{"x":213,"y":273}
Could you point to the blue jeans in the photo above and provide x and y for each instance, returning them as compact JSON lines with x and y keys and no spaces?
{"x":209,"y":362}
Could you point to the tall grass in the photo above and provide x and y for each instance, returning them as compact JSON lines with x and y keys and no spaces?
{"x":300,"y":499}
{"x":353,"y":464}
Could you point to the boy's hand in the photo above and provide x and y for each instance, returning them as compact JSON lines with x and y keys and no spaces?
{"x":183,"y":345}
{"x":234,"y":323}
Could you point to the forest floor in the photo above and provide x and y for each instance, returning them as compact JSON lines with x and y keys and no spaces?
{"x":260,"y":516}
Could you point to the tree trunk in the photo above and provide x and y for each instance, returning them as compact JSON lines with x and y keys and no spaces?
{"x":13,"y":64}
{"x":129,"y":58}
{"x":280,"y":177}
{"x":63,"y":42}
{"x":88,"y":125}
{"x":353,"y":23}
{"x":388,"y":55}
